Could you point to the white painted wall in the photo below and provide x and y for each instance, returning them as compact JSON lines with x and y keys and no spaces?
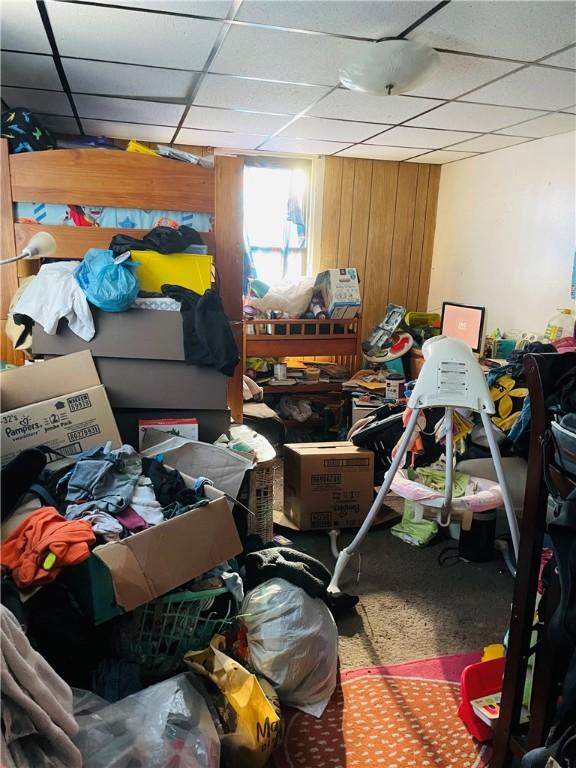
{"x":505,"y":233}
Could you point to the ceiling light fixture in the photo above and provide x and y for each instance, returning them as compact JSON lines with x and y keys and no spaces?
{"x":390,"y":67}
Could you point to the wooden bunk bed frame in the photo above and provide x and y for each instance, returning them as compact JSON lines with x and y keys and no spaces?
{"x":102,"y":177}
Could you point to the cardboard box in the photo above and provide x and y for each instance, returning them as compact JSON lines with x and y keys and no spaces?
{"x":327,"y":485}
{"x":59,"y":403}
{"x":187,"y":428}
{"x":139,"y":356}
{"x":211,"y":423}
{"x":340,"y":292}
{"x":123,"y":575}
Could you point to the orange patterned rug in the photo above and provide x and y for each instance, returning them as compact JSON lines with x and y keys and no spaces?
{"x":402,"y":716}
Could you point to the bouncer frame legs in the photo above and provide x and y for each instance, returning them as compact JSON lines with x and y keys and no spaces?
{"x":347,"y":552}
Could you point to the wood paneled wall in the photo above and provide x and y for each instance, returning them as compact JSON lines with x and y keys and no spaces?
{"x":379,"y":217}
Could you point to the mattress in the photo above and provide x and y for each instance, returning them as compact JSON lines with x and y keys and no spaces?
{"x":115,"y":218}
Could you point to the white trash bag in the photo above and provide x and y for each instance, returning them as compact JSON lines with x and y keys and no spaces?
{"x":293,"y":641}
{"x":293,"y":298}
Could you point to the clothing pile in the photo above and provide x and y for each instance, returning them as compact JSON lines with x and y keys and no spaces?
{"x":105,"y":496}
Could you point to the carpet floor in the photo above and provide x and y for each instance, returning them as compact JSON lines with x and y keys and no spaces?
{"x":410,"y":607}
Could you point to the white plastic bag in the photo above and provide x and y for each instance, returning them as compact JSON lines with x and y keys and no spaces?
{"x":293,"y":298}
{"x":293,"y":641}
{"x":165,"y":726}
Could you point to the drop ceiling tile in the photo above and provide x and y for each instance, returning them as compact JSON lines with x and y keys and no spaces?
{"x":59,"y":125}
{"x":303,"y":146}
{"x":441,"y":157}
{"x":564,"y":59}
{"x":544,"y":126}
{"x":489,"y":142}
{"x":22,"y":28}
{"x":215,"y":8}
{"x":28,"y":70}
{"x":525,"y":31}
{"x":347,"y":17}
{"x":457,"y":75}
{"x":534,"y":87}
{"x":372,"y":152}
{"x":99,"y":32}
{"x":235,"y":93}
{"x":127,"y":110}
{"x":114,"y":130}
{"x":219,"y":139}
{"x":228,"y":120}
{"x":460,"y":116}
{"x":127,"y":79}
{"x":422,"y":138}
{"x":331,"y":130}
{"x":388,"y":110}
{"x":50,"y":102}
{"x":287,"y":56}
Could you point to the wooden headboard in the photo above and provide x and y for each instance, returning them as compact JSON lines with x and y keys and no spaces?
{"x":115,"y":178}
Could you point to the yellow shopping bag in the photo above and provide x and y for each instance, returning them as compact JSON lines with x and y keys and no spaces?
{"x":251,"y":711}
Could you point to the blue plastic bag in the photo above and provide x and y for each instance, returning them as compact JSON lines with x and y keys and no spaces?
{"x":109,"y":283}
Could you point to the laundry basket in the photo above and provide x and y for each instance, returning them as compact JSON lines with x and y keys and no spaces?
{"x":261,"y":499}
{"x":158,"y":634}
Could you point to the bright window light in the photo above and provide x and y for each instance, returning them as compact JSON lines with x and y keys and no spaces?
{"x":275,"y":221}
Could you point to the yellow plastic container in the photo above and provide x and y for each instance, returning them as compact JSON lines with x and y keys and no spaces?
{"x":190,"y":270}
{"x":142,"y":149}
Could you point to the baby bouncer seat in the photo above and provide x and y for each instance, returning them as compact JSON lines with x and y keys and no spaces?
{"x":451,"y":378}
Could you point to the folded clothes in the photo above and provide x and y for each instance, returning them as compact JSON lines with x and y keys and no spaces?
{"x":43,"y":544}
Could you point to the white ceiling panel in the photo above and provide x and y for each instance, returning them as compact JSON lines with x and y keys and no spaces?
{"x":460,"y":116}
{"x":459,"y":74}
{"x":58,"y":124}
{"x":420,"y":138}
{"x":534,"y":87}
{"x":235,"y":93}
{"x":379,"y":153}
{"x":489,"y":142}
{"x":51,"y":102}
{"x":524,"y":30}
{"x":544,"y":126}
{"x":331,"y":130}
{"x":303,"y":146}
{"x":346,"y":17}
{"x":564,"y":59}
{"x":216,"y":8}
{"x":131,"y":36}
{"x":126,"y":79}
{"x":442,"y":156}
{"x":102,"y":108}
{"x":29,"y":71}
{"x":228,"y":120}
{"x":127,"y":131}
{"x":388,"y":110}
{"x":288,"y":56}
{"x":219,"y":139}
{"x":22,"y":28}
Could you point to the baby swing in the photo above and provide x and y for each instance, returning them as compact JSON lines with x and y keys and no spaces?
{"x":451,"y":377}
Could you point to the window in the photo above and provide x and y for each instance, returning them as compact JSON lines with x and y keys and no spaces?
{"x":275,"y":220}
